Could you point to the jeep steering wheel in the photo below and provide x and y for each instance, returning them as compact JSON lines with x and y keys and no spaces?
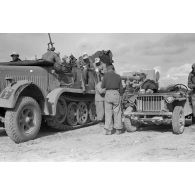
{"x":181,"y":87}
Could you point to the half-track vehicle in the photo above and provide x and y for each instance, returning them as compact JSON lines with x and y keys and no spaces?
{"x":31,"y":91}
{"x":168,"y":106}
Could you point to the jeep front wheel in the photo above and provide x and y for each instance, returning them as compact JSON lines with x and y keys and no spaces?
{"x":23,"y":122}
{"x":128,"y":125}
{"x":178,"y":120}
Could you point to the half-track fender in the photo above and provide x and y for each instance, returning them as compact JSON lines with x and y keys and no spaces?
{"x":10,"y":95}
{"x":52,"y":99}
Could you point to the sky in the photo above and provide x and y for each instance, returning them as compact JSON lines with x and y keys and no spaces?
{"x":171,"y":54}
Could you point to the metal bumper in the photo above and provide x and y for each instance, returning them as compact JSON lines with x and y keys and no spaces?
{"x":149,"y":114}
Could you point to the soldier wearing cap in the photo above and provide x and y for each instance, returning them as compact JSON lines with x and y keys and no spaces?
{"x":100,"y":68}
{"x":87,"y":65}
{"x":191,"y":85}
{"x":66,"y":66}
{"x":15,"y":57}
{"x":113,"y":84}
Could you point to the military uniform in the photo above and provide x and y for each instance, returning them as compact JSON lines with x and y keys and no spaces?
{"x":16,"y":60}
{"x":51,"y":56}
{"x":99,"y":102}
{"x":191,"y":85}
{"x":113,"y":84}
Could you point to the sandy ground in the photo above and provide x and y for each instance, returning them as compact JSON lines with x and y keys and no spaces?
{"x":90,"y":144}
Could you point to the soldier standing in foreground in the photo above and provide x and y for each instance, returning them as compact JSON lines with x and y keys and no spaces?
{"x":113,"y":84}
{"x":191,"y":85}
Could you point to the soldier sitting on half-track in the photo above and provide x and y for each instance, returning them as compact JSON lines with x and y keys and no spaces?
{"x":149,"y":105}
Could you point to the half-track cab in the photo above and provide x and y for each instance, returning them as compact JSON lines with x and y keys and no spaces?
{"x":168,"y":106}
{"x":32,"y":90}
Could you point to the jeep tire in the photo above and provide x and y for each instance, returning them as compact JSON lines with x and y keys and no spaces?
{"x":128,"y":125}
{"x":178,"y":120}
{"x":23,"y":122}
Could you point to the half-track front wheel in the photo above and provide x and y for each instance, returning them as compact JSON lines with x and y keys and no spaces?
{"x":178,"y":120}
{"x":128,"y":125}
{"x":23,"y":122}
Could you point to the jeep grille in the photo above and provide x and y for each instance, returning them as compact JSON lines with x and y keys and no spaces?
{"x":150,"y":103}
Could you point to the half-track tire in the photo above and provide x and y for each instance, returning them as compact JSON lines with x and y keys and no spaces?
{"x":82,"y":113}
{"x":72,"y":114}
{"x":23,"y":122}
{"x":128,"y":125}
{"x":61,"y":114}
{"x":92,"y":112}
{"x":178,"y":120}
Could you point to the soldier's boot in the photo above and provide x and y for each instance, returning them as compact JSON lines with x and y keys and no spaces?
{"x":119,"y":131}
{"x":108,"y":132}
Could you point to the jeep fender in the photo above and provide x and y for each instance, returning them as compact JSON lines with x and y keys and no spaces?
{"x":187,"y":108}
{"x":11,"y":93}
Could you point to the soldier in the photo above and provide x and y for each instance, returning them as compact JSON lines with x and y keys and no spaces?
{"x":15,"y":57}
{"x":86,"y":65}
{"x":191,"y":85}
{"x":51,"y":56}
{"x":113,"y":85}
{"x":99,"y":102}
{"x":100,"y":68}
{"x":66,"y":66}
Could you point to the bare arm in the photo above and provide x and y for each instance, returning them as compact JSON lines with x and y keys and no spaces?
{"x":191,"y":85}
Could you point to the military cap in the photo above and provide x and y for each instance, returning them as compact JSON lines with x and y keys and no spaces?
{"x":97,"y":60}
{"x":65,"y":57}
{"x":14,"y":54}
{"x":85,"y":56}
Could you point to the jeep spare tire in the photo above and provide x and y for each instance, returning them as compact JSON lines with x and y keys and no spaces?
{"x":178,"y":120}
{"x":23,"y":122}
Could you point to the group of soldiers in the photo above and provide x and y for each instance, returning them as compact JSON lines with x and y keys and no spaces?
{"x":108,"y":86}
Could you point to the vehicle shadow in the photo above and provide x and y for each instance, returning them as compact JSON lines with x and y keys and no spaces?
{"x":156,"y":128}
{"x":47,"y":131}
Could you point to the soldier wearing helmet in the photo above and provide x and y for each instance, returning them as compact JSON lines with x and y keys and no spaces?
{"x":15,"y":57}
{"x":191,"y":85}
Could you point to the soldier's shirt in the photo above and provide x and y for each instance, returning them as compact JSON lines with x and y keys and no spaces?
{"x":51,"y":57}
{"x":16,"y":60}
{"x":112,"y":81}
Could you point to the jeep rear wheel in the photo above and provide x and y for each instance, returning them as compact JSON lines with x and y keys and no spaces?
{"x":178,"y":120}
{"x":128,"y":125}
{"x":23,"y":122}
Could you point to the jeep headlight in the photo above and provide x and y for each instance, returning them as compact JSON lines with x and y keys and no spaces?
{"x":169,"y":99}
